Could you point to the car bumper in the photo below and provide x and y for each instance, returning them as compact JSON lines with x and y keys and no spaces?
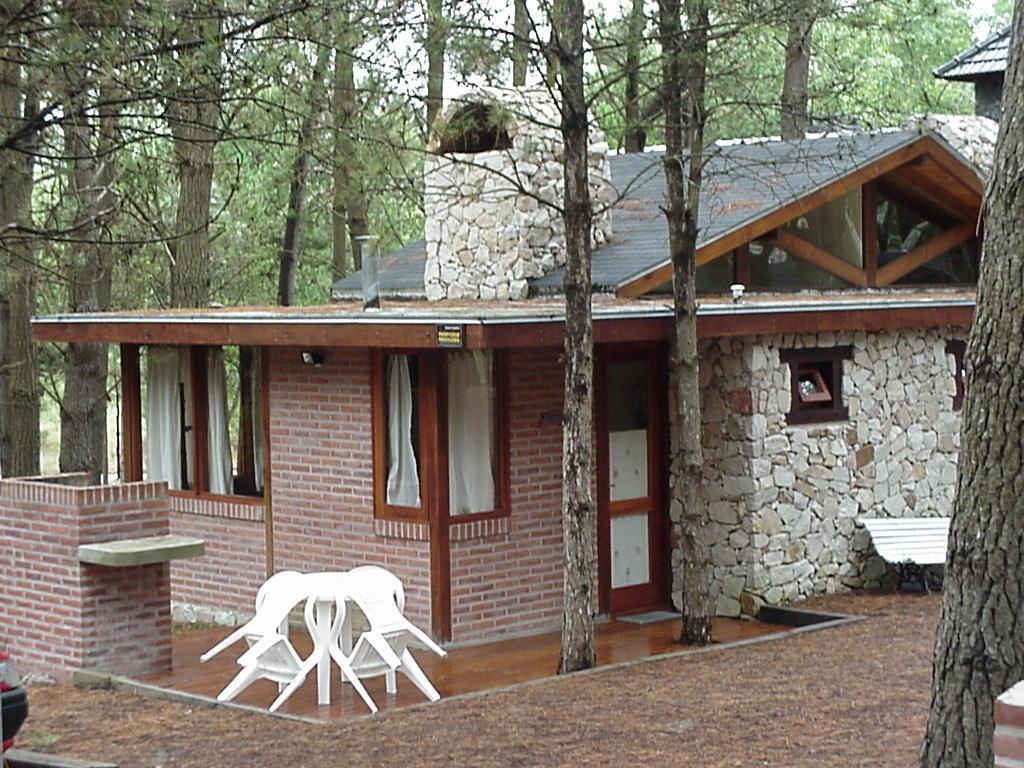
{"x":15,"y":710}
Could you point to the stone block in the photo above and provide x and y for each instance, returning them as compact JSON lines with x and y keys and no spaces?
{"x":724,"y":512}
{"x":769,"y":522}
{"x":732,"y":586}
{"x":750,"y":604}
{"x":723,"y":555}
{"x":727,"y":606}
{"x":782,"y":574}
{"x":863,"y":456}
{"x":738,"y":540}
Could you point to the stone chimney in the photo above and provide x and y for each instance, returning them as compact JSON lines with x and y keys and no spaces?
{"x":490,"y":182}
{"x":972,"y":136}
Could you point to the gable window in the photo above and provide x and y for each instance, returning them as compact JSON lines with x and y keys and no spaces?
{"x":905,"y":225}
{"x":813,"y":250}
{"x":957,"y":348}
{"x":816,"y":384}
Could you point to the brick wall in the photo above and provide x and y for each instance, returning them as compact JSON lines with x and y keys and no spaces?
{"x":1008,"y":746}
{"x":59,"y":615}
{"x":321,"y":452}
{"x":512,"y":583}
{"x":220,"y":586}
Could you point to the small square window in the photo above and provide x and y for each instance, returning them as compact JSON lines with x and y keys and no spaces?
{"x":816,"y":382}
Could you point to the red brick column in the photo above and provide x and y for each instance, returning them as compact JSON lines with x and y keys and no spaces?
{"x":1009,"y":736}
{"x":57,"y":614}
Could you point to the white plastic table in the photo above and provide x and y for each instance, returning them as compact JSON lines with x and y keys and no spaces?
{"x":325,"y":602}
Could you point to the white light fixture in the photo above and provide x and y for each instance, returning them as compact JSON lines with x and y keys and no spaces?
{"x":737,"y":291}
{"x":309,"y":357}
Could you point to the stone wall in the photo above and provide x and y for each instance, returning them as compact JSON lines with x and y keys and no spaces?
{"x":492,"y":218}
{"x":972,"y":136}
{"x":784,"y":500}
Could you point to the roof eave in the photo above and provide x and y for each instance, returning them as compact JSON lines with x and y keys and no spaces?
{"x":914,"y":146}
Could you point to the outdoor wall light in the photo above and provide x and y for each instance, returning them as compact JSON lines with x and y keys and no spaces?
{"x":737,"y":291}
{"x":309,"y":357}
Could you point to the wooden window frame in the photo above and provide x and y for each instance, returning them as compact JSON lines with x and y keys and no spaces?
{"x":502,"y":454}
{"x":433,"y":441}
{"x":427,"y":413}
{"x":131,"y":383}
{"x":958,"y":348}
{"x":823,"y":360}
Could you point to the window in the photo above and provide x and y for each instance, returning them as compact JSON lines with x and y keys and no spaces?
{"x":204,"y":419}
{"x":902,"y":228}
{"x":439,"y":423}
{"x":402,"y":446}
{"x":816,"y":384}
{"x":835,"y":227}
{"x":957,"y":348}
{"x":472,"y":432}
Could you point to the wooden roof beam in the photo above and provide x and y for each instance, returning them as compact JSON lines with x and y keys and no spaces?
{"x":895,"y":189}
{"x":941,"y":156}
{"x":820,"y":258}
{"x":907,"y":263}
{"x":780,"y":216}
{"x":939,"y":191}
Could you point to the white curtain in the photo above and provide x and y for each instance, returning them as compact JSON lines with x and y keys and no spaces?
{"x":403,"y":477}
{"x":257,"y":416}
{"x":221,"y":472}
{"x":470,"y":433}
{"x":163,"y":416}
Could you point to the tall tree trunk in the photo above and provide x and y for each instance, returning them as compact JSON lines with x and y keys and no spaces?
{"x":578,"y":513}
{"x":83,"y":408}
{"x":520,"y":43}
{"x":343,"y":107}
{"x":19,"y":370}
{"x":349,"y":219}
{"x":979,"y":649}
{"x":436,"y":42}
{"x":794,"y":120}
{"x":684,"y":62}
{"x":634,"y":137}
{"x":291,"y":240}
{"x":194,"y":114}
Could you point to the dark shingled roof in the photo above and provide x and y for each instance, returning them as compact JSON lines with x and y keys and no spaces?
{"x":401,"y":273}
{"x":986,"y":58}
{"x":743,"y":182}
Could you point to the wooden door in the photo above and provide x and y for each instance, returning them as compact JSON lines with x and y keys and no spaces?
{"x":632,"y":524}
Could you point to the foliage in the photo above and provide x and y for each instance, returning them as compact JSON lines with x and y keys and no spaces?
{"x":120,"y":58}
{"x":871,"y":66}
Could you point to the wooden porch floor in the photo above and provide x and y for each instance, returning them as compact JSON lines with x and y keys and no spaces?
{"x":466,"y":669}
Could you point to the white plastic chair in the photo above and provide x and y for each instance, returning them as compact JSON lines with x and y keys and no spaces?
{"x":285,"y":585}
{"x":271,"y":656}
{"x":383,"y":648}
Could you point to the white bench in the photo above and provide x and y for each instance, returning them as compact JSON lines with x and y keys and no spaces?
{"x":912,"y":543}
